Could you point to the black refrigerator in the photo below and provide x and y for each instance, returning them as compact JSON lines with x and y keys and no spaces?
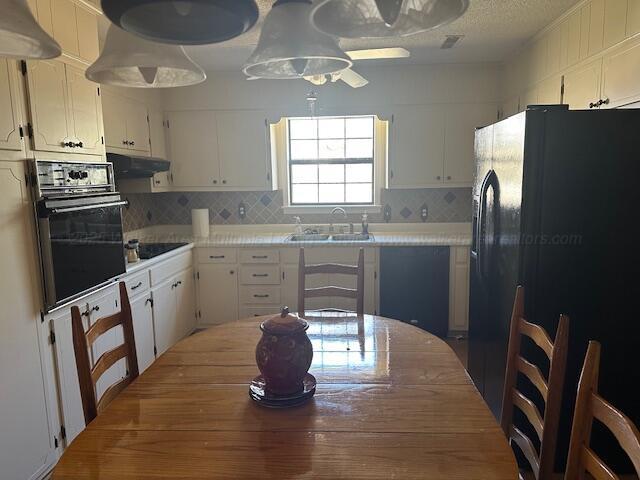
{"x":555,"y":205}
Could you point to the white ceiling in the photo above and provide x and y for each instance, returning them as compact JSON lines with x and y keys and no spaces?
{"x":492,"y":28}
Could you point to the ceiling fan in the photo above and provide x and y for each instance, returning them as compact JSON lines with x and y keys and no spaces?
{"x":350,"y":76}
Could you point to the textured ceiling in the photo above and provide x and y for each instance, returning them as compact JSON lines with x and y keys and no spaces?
{"x":492,"y":29}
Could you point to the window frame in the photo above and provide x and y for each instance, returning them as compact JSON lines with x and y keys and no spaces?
{"x":339,"y":161}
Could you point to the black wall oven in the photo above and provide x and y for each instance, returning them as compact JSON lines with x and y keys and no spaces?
{"x":79,"y":217}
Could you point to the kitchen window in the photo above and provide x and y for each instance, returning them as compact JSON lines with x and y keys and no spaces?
{"x":331,"y":160}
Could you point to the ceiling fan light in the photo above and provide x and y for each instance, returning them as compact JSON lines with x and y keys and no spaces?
{"x":384,"y":18}
{"x":183,"y":22}
{"x":130,"y":61}
{"x":290,"y":48}
{"x":20,"y":34}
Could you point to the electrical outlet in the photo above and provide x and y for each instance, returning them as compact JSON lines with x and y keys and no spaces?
{"x":387,"y":213}
{"x":242,"y":210}
{"x":424,"y":212}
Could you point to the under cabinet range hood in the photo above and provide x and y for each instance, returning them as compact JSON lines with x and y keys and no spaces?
{"x":130,"y":166}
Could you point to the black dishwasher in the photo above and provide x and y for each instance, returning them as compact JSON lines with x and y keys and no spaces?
{"x":414,"y":286}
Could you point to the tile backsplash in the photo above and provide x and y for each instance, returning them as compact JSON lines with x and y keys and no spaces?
{"x":405,"y":206}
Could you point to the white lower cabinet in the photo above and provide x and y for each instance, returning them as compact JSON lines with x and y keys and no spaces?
{"x":174,"y":309}
{"x":218,"y":293}
{"x":142,"y":313}
{"x":459,"y":289}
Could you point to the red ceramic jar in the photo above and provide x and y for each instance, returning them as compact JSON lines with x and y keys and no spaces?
{"x":284,"y":353}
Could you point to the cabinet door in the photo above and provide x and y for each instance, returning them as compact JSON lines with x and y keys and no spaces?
{"x":417,"y":150}
{"x":115,"y":120}
{"x":137,"y":127}
{"x":142,"y":313}
{"x":620,"y":76}
{"x":186,"y":302}
{"x":193,"y":145}
{"x":243,"y":149}
{"x":459,"y":289}
{"x":65,"y":29}
{"x":26,"y":436}
{"x":218,"y":293}
{"x":582,"y":86}
{"x":9,"y":110}
{"x":85,"y":112}
{"x":462,"y":121}
{"x":164,"y":316}
{"x":48,"y":103}
{"x":156,"y":133}
{"x":87,"y":25}
{"x":550,"y":91}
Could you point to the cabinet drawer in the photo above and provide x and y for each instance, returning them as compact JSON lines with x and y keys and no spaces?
{"x":344,"y":255}
{"x":248,"y":312}
{"x":259,"y":256}
{"x":217,"y":255}
{"x":170,"y":267}
{"x":261,"y":294}
{"x":137,"y":284}
{"x":260,"y":275}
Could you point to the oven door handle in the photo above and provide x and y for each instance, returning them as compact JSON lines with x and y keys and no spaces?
{"x":89,"y":207}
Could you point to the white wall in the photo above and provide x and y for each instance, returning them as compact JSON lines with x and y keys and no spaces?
{"x":389,"y":86}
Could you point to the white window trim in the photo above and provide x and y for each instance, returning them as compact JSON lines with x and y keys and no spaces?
{"x":279,"y":135}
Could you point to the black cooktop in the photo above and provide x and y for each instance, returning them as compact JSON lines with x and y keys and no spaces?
{"x":150,"y":250}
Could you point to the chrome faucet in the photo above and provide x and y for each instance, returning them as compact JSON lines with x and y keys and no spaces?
{"x":344,"y":215}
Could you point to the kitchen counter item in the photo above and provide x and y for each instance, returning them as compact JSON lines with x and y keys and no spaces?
{"x":261,"y":395}
{"x":394,"y":402}
{"x":284,"y":353}
{"x":132,"y":249}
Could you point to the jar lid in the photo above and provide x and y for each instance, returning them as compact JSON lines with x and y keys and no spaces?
{"x":284,"y":324}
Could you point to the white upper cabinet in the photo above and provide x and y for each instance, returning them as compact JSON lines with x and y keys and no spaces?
{"x":416,"y":153}
{"x":48,"y":102}
{"x":26,"y":430}
{"x":10,"y":118}
{"x":85,"y":113}
{"x":620,"y":74}
{"x":193,"y":147}
{"x":65,"y":109}
{"x":156,"y":133}
{"x":243,"y":147}
{"x":74,"y":27}
{"x":462,"y":121}
{"x":126,"y":126}
{"x":615,"y":21}
{"x":582,"y":86}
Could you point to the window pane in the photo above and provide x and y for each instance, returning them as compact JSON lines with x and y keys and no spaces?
{"x":304,"y":149}
{"x":332,"y":193}
{"x":331,"y":128}
{"x":331,"y":149}
{"x":304,"y":174}
{"x":360,"y":172}
{"x":303,"y":128}
{"x":331,"y":173}
{"x":304,"y":193}
{"x":359,"y":192}
{"x":360,"y":148}
{"x":360,"y":127}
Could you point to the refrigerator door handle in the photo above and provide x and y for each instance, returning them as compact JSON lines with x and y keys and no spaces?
{"x":486,"y":183}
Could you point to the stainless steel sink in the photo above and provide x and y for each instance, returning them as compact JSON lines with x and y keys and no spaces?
{"x":350,"y":237}
{"x":308,"y":237}
{"x":337,"y":237}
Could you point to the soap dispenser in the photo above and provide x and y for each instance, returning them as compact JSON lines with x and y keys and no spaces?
{"x":365,"y":224}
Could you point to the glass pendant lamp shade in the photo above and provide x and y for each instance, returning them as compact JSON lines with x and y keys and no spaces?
{"x":20,"y":34}
{"x":290,"y":48}
{"x":183,"y":22}
{"x":384,"y":18}
{"x":130,"y":61}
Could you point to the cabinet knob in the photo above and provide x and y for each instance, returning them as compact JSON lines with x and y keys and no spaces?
{"x":215,"y":181}
{"x":438,"y":177}
{"x":157,"y":182}
{"x":593,"y":105}
{"x":224,"y":181}
{"x":603,"y":102}
{"x":124,"y":142}
{"x":79,"y":144}
{"x":231,"y":272}
{"x":132,"y":143}
{"x":448,"y":177}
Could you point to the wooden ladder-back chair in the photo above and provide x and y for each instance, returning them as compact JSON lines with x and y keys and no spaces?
{"x":590,"y":405}
{"x":545,"y":427}
{"x":88,"y":375}
{"x":330,"y":291}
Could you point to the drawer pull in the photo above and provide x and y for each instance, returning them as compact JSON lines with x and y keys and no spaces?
{"x":135,"y":287}
{"x":260,"y":275}
{"x":261,"y":296}
{"x":216,"y":257}
{"x":260,"y":257}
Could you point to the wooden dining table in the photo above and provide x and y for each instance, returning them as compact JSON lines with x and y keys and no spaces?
{"x":392,"y":401}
